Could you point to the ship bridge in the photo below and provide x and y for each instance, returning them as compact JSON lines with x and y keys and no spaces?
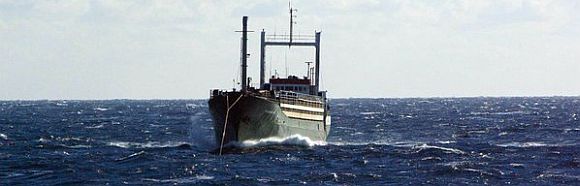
{"x":292,"y":83}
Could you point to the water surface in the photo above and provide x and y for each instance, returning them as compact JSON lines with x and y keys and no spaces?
{"x":372,"y":141}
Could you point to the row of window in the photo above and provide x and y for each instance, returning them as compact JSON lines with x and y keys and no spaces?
{"x":291,"y":88}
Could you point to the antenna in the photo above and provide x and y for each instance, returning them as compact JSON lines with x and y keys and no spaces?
{"x":292,"y":22}
{"x":308,"y":69}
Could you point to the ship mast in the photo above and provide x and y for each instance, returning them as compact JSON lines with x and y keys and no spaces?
{"x":291,"y":22}
{"x":244,"y":53}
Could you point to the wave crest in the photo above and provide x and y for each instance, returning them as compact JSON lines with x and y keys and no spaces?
{"x":533,"y":144}
{"x":294,"y":140}
{"x":152,"y":144}
{"x":445,"y":149}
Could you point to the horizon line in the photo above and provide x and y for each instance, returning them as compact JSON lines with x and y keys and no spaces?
{"x":411,"y":97}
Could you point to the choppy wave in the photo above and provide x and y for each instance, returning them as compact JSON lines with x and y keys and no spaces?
{"x":162,"y":142}
{"x":151,"y":144}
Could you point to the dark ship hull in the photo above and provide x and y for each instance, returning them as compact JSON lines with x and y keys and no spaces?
{"x":254,"y":117}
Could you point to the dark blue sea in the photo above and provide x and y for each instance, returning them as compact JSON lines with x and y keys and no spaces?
{"x":441,"y":141}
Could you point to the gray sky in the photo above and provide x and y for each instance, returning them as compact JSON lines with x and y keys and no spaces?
{"x":180,"y":49}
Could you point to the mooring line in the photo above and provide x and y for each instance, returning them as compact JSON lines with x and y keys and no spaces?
{"x":226,"y":120}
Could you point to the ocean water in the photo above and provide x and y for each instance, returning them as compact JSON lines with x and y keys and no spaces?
{"x":520,"y":141}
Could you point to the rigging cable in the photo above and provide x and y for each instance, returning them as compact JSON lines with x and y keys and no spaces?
{"x":226,"y":120}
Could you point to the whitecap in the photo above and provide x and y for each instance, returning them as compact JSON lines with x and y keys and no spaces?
{"x":549,"y":175}
{"x":425,"y":146}
{"x":446,"y":142}
{"x":101,"y":109}
{"x":131,"y":156}
{"x":516,"y":165}
{"x":334,"y":175}
{"x":3,"y":136}
{"x":195,"y":179}
{"x":95,"y":127}
{"x":369,"y":113}
{"x":146,"y":145}
{"x":519,"y":112}
{"x":63,"y":104}
{"x":525,"y":144}
{"x":43,"y":140}
{"x":154,"y":125}
{"x":378,"y":142}
{"x":292,"y":140}
{"x":431,"y":158}
{"x":78,"y":146}
{"x":482,"y":172}
{"x":345,"y":128}
{"x":571,"y":130}
{"x":534,"y":144}
{"x":193,"y":105}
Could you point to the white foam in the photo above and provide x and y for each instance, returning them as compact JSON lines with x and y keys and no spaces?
{"x":369,"y":113}
{"x":425,"y":146}
{"x":516,"y":165}
{"x":531,"y":144}
{"x":292,"y":140}
{"x":549,"y":175}
{"x":78,"y":146}
{"x":3,"y":136}
{"x":62,"y":104}
{"x":101,"y":109}
{"x":181,"y":180}
{"x":446,"y":142}
{"x":379,"y":142}
{"x":571,"y":130}
{"x":152,"y":144}
{"x":131,"y":156}
{"x":194,"y":106}
{"x":43,"y":140}
{"x":94,"y":127}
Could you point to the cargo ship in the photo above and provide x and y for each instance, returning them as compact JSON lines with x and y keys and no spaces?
{"x":279,"y":108}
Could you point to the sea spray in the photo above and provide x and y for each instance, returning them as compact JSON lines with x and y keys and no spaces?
{"x":201,"y":133}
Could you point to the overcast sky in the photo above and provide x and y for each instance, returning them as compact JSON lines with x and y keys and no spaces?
{"x":370,"y":48}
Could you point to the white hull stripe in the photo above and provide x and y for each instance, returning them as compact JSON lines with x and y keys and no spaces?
{"x":298,"y":107}
{"x":304,"y":116}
